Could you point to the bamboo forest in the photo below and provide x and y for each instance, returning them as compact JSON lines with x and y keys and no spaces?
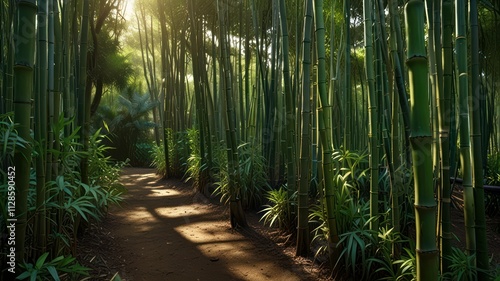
{"x":249,"y":140}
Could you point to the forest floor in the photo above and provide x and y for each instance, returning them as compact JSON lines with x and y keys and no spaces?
{"x":164,"y":231}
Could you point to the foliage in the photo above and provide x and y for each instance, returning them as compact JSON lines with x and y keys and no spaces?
{"x":68,"y":200}
{"x":129,"y":123}
{"x":193,"y":162}
{"x":178,"y":150}
{"x":492,"y":174}
{"x":102,"y":170}
{"x":159,"y":162}
{"x":9,"y":138}
{"x":357,"y":244}
{"x":279,"y":210}
{"x":385,"y":264}
{"x":143,"y":154}
{"x":180,"y":145}
{"x":462,"y":266}
{"x":50,"y":270}
{"x":253,"y":177}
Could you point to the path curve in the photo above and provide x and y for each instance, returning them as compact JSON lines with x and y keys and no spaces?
{"x":164,"y":232}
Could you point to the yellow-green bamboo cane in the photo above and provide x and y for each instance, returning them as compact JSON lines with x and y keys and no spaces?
{"x":420,"y":140}
{"x":24,"y":60}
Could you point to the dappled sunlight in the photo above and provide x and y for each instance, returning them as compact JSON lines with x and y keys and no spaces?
{"x":142,"y":177}
{"x":179,"y":211}
{"x":201,"y":232}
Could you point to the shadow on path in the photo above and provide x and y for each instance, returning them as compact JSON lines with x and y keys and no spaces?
{"x":165,"y":232}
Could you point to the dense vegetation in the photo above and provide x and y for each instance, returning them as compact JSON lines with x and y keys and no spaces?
{"x":344,"y":124}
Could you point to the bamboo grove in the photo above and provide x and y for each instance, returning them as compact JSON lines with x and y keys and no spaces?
{"x":357,"y":127}
{"x":56,"y":176}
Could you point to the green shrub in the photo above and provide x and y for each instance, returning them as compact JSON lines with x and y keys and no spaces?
{"x":492,"y":174}
{"x":253,"y":182}
{"x":159,"y":163}
{"x":51,"y":270}
{"x":279,"y":211}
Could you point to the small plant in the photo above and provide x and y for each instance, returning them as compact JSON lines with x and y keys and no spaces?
{"x":492,"y":174}
{"x":159,"y":162}
{"x":462,"y":266}
{"x":8,"y":137}
{"x":51,"y":270}
{"x":195,"y":170}
{"x":356,"y":246}
{"x":252,"y":177}
{"x":389,"y":268}
{"x":102,"y":170}
{"x":279,"y":210}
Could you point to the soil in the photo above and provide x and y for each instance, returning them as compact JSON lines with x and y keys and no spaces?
{"x":165,"y":231}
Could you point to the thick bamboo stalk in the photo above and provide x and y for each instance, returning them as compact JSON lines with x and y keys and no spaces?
{"x":41,"y":125}
{"x":23,"y":89}
{"x":465,"y":150}
{"x":477,"y":163}
{"x":421,"y":139}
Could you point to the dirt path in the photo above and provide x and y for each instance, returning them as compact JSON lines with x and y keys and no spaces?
{"x":163,"y":232}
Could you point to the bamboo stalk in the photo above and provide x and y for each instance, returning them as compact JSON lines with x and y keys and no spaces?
{"x":372,"y":112}
{"x":477,"y":163}
{"x":421,"y":139}
{"x":326,"y":133}
{"x":23,"y":89}
{"x":305,"y":139}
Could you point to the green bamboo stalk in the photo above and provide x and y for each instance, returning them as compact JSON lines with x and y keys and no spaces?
{"x":465,"y":150}
{"x":41,"y":126}
{"x":326,"y":132}
{"x":396,"y":113}
{"x":396,"y":44}
{"x":57,"y":79}
{"x":9,"y":94}
{"x":82,"y":93}
{"x":347,"y":89}
{"x":165,"y":78}
{"x":372,"y":112}
{"x":382,"y":82}
{"x":444,"y":116}
{"x":421,"y":139}
{"x":290,"y":110}
{"x":24,"y":60}
{"x":432,"y":46}
{"x":305,"y":139}
{"x":477,"y":163}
